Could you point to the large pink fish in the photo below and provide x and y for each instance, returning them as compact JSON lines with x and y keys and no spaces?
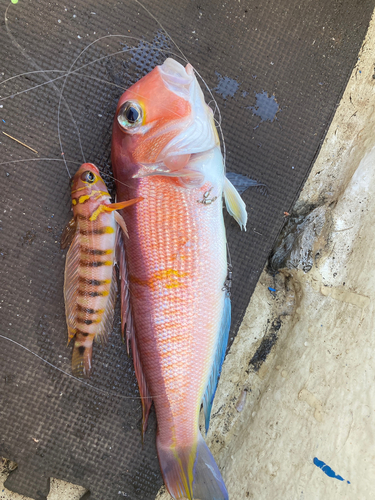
{"x":166,"y":149}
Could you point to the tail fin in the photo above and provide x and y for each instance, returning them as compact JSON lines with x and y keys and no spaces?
{"x":191,"y":472}
{"x":81,"y":359}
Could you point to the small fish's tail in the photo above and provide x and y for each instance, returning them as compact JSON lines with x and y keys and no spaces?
{"x":191,"y":472}
{"x":82,"y":359}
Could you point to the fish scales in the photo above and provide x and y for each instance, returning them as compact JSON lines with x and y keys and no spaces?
{"x":165,"y":149}
{"x":176,"y":258}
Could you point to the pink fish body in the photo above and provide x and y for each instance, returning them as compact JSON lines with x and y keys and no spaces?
{"x":166,"y":149}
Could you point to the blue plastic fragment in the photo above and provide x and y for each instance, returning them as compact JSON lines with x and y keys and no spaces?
{"x":327,"y":470}
{"x":271,"y":289}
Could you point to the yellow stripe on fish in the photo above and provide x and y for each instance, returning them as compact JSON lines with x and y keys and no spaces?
{"x":90,"y":278}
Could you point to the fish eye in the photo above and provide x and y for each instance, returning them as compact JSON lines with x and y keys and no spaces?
{"x":130,"y":115}
{"x":88,"y":176}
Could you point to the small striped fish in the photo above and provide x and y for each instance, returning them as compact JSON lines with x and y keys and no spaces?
{"x":95,"y":237}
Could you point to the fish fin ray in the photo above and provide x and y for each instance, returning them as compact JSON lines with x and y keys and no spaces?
{"x":120,"y":221}
{"x":242,"y":182}
{"x":107,"y":319}
{"x":71,"y":283}
{"x":123,"y":204}
{"x":127,"y":325}
{"x":235,"y":204}
{"x":222,"y":342}
{"x":191,"y":472}
{"x":142,"y":384}
{"x":68,"y":233}
{"x":189,"y":175}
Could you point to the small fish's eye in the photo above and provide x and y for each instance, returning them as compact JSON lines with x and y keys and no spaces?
{"x":88,"y":176}
{"x":130,"y":115}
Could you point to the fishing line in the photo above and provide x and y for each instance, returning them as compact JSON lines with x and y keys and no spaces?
{"x":74,"y":72}
{"x":33,"y":73}
{"x":31,"y":60}
{"x":201,"y":78}
{"x":39,"y":159}
{"x":108,"y":393}
{"x":150,"y":46}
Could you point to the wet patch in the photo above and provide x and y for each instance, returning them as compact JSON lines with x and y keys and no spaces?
{"x":226,"y":86}
{"x":266,"y":107}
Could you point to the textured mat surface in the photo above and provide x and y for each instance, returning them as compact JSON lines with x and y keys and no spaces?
{"x":277,"y":70}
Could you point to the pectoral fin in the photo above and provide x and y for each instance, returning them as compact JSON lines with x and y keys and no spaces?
{"x":188,"y":175}
{"x":120,"y":221}
{"x":112,"y":207}
{"x":123,"y":204}
{"x":235,"y":204}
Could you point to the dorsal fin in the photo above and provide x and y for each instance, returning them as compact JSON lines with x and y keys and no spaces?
{"x":126,"y":315}
{"x":127,"y":326}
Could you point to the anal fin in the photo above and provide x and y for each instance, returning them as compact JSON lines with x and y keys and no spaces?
{"x":222,"y":342}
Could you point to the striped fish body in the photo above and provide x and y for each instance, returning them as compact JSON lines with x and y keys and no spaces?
{"x":166,"y":149}
{"x":90,"y":285}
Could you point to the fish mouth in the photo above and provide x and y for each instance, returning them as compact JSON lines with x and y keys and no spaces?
{"x":176,"y":77}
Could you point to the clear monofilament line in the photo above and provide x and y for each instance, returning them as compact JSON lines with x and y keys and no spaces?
{"x":108,"y":393}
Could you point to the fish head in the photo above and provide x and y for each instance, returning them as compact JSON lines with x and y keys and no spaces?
{"x":87,"y":181}
{"x":161,"y":121}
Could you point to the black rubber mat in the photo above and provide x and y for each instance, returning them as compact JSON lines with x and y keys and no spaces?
{"x":277,"y":69}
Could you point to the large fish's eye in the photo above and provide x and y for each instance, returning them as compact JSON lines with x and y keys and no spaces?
{"x":130,"y":115}
{"x":88,"y":176}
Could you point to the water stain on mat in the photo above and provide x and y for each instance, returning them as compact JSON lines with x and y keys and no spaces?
{"x":226,"y":87}
{"x":266,"y":107}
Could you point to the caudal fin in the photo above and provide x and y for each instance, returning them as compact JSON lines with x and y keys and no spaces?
{"x":191,"y":472}
{"x":81,"y":359}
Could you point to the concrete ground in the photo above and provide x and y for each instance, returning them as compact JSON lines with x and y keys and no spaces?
{"x":302,"y":425}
